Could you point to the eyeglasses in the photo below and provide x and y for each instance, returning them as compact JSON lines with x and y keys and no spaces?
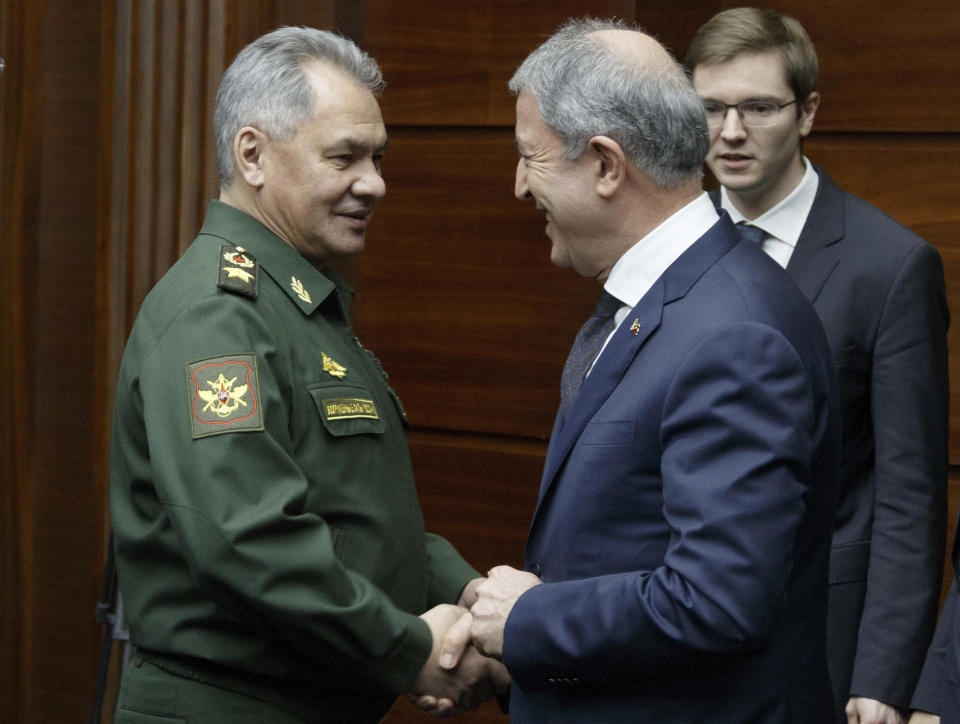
{"x":755,"y":114}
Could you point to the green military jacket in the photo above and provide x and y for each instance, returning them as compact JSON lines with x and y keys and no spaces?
{"x":267,"y":530}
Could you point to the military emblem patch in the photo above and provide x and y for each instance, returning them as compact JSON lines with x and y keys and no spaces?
{"x":224,"y":395}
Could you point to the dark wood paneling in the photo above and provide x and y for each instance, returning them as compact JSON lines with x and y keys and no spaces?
{"x":673,"y":24}
{"x":479,"y":493}
{"x":456,"y":293}
{"x":915,"y":179}
{"x":19,"y":31}
{"x":884,"y":66}
{"x":60,"y":515}
{"x":310,"y":12}
{"x":403,"y":712}
{"x":448,"y":63}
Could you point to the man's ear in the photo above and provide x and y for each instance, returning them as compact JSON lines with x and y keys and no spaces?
{"x":248,"y":148}
{"x":610,"y":164}
{"x":807,"y":113}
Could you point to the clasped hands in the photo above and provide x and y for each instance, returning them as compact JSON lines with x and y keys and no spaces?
{"x":464,"y":668}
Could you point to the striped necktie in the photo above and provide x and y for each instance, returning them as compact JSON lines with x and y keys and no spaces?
{"x":585,"y":349}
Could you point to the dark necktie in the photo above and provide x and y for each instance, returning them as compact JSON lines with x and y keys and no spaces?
{"x":585,"y":349}
{"x":751,"y":233}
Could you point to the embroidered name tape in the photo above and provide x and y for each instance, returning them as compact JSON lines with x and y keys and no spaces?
{"x":224,"y":395}
{"x":350,"y":408}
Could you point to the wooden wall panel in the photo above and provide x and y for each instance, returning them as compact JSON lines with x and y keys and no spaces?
{"x":456,"y":293}
{"x":479,"y":492}
{"x":49,"y":225}
{"x":19,"y":31}
{"x":448,"y":63}
{"x":884,"y":66}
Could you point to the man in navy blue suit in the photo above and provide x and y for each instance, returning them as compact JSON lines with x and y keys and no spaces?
{"x":676,"y":565}
{"x":879,"y":291}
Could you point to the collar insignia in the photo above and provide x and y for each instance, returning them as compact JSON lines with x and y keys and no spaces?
{"x":297,"y":286}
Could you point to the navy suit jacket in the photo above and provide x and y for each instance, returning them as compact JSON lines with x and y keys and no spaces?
{"x":682,"y":529}
{"x":938,"y":690}
{"x":879,"y":291}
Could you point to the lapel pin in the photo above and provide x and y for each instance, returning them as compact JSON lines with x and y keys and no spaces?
{"x":635,"y":327}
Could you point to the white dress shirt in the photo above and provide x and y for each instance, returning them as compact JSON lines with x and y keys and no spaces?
{"x":644,"y":262}
{"x":784,"y":222}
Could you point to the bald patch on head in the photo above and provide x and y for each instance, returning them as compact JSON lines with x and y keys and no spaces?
{"x":637,"y":47}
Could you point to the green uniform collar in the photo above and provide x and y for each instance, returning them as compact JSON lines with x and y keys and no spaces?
{"x":306,"y":286}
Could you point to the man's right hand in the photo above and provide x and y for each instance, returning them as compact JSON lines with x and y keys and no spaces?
{"x":449,"y":691}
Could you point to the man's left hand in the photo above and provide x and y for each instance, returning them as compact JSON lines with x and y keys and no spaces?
{"x":495,"y":599}
{"x":861,"y":710}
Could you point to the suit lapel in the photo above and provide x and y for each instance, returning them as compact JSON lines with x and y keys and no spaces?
{"x":605,"y":376}
{"x":818,"y":248}
{"x":633,"y":333}
{"x":817,"y":252}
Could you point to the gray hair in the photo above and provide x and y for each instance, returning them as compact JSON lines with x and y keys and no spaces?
{"x":585,"y":89}
{"x":265,"y":86}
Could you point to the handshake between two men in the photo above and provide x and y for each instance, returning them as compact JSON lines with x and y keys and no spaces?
{"x":464,"y":668}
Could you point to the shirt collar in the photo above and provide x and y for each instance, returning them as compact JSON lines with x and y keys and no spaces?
{"x":306,"y":286}
{"x":786,"y":219}
{"x":644,"y":262}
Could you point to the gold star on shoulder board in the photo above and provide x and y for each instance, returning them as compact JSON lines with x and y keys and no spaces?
{"x":234,"y":273}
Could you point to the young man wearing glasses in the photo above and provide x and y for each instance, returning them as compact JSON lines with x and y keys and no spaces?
{"x":879,"y":291}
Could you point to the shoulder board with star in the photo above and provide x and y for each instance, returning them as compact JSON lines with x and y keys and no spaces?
{"x":237,"y":271}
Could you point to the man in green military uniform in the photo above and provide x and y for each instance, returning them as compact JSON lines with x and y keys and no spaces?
{"x":270,"y":547}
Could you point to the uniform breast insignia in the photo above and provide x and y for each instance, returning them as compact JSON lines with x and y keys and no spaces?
{"x":297,"y":286}
{"x":332,"y":368}
{"x":350,"y":408}
{"x":224,"y":395}
{"x":237,"y":271}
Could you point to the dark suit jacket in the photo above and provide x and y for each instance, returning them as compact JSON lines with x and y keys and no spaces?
{"x":683,"y":524}
{"x":879,"y":291}
{"x":938,"y":690}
